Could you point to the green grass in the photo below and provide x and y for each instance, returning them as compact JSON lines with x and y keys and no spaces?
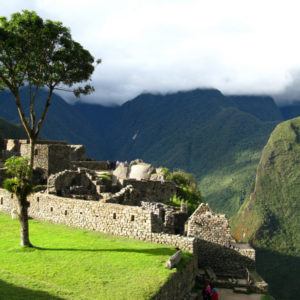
{"x":77,"y":264}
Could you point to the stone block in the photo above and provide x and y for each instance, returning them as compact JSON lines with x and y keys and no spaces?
{"x":174,"y":260}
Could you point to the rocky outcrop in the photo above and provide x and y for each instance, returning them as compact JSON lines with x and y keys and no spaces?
{"x":141,"y":171}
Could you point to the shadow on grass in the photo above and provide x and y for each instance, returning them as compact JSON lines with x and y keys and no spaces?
{"x":10,"y":291}
{"x":281,"y":272}
{"x":156,"y":251}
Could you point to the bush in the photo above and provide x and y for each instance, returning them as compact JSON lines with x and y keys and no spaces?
{"x":187,"y":190}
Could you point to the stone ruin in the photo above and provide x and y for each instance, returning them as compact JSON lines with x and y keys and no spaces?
{"x":139,"y":185}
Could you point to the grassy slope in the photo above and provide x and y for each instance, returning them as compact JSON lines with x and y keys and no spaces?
{"x":78,"y":264}
{"x":271,"y":218}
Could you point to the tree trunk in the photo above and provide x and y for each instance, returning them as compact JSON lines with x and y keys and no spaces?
{"x":32,"y":146}
{"x":23,"y":219}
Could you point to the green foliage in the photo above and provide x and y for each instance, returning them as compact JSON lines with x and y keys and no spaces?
{"x":41,"y":53}
{"x":21,"y":181}
{"x":175,"y":201}
{"x":18,"y":167}
{"x":69,"y":263}
{"x":271,"y":218}
{"x":187,"y":190}
{"x":165,"y":171}
{"x":105,"y":176}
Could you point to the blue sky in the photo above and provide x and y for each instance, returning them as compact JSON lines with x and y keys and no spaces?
{"x":249,"y":47}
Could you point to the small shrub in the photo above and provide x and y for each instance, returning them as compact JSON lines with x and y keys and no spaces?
{"x":187,"y":190}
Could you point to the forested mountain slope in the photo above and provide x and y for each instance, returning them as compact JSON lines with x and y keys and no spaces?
{"x":217,"y":137}
{"x":270,"y":216}
{"x":9,"y":130}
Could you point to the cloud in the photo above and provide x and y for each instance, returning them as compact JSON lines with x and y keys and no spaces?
{"x":291,"y":92}
{"x":169,"y":45}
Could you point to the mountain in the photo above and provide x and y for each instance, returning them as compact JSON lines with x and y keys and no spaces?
{"x":217,"y":137}
{"x":8,"y":130}
{"x":63,"y":122}
{"x":270,"y":216}
{"x":220,"y":139}
{"x":290,"y":111}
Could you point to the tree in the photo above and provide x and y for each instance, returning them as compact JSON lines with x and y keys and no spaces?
{"x":40,"y":54}
{"x":21,"y":185}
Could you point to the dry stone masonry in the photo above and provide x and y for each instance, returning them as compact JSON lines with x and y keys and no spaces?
{"x":129,"y":201}
{"x":121,"y":220}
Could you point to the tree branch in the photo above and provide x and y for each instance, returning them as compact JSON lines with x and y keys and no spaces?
{"x":21,"y":114}
{"x":40,"y":122}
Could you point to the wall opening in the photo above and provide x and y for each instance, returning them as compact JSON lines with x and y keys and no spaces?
{"x":12,"y":196}
{"x":114,"y":216}
{"x":51,"y":209}
{"x":38,"y":199}
{"x":132,"y":218}
{"x":1,"y":201}
{"x":66,"y":212}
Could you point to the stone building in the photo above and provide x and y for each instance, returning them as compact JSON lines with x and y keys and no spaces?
{"x":130,"y":201}
{"x":50,"y":157}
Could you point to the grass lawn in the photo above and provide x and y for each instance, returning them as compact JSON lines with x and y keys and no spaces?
{"x":77,"y":264}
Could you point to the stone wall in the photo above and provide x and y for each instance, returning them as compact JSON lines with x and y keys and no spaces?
{"x":181,"y":242}
{"x":73,"y":184}
{"x":224,"y":260}
{"x":49,"y":156}
{"x":206,"y":225}
{"x":58,"y":158}
{"x":77,"y":153}
{"x":154,"y":191}
{"x":129,"y":221}
{"x":91,"y":165}
{"x":179,"y":284}
{"x":166,"y":218}
{"x":215,"y":246}
{"x":244,"y":249}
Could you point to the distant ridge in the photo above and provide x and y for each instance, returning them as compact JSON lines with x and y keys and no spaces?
{"x":11,"y":131}
{"x":217,"y":137}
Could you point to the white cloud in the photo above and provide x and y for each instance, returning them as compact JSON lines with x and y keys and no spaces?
{"x":236,"y":46}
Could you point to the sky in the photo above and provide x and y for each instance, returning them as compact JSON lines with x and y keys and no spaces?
{"x":164,"y":46}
